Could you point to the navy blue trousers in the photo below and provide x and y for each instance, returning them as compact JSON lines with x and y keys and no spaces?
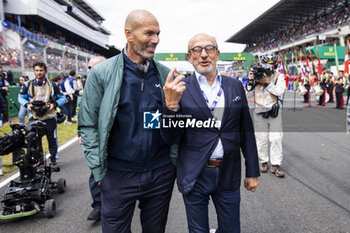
{"x":68,"y":110}
{"x":226,"y":202}
{"x":95,"y":192}
{"x":120,"y":191}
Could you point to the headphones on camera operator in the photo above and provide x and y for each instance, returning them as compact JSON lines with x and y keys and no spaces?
{"x":264,"y":71}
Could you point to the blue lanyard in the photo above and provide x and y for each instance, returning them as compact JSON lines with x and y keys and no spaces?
{"x":216,"y":100}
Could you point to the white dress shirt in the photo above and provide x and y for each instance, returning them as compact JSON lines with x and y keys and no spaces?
{"x":211,"y":93}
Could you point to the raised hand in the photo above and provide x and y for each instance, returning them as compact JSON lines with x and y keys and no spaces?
{"x":173,"y":90}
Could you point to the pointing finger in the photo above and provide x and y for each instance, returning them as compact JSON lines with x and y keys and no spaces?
{"x":170,"y":77}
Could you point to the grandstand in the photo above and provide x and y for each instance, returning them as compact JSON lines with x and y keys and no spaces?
{"x":299,"y":27}
{"x":63,"y":33}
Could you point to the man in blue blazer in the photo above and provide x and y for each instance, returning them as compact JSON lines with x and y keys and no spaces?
{"x":208,"y":116}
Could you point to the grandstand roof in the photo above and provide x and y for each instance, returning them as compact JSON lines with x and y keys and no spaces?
{"x":90,"y":9}
{"x":285,"y":13}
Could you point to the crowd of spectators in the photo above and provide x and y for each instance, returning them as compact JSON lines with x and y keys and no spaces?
{"x":63,"y":42}
{"x":11,"y":58}
{"x":43,"y":38}
{"x":336,"y":17}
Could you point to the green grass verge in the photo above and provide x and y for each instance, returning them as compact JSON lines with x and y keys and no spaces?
{"x":64,"y":134}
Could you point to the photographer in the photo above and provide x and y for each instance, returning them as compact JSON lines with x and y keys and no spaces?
{"x":267,"y":86}
{"x":41,"y":97}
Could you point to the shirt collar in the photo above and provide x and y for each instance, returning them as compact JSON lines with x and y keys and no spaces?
{"x":202,"y":79}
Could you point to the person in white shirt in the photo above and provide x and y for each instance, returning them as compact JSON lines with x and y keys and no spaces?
{"x":68,"y":90}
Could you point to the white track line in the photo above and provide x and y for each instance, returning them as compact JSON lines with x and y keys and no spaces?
{"x":14,"y":176}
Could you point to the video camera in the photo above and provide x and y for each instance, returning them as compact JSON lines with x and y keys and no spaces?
{"x":31,"y":192}
{"x":260,"y":70}
{"x":40,"y":108}
{"x":29,"y":136}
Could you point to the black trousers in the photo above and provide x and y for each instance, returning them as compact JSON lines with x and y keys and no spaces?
{"x":322,"y":100}
{"x":307,"y":97}
{"x":330,"y":92}
{"x":51,"y":135}
{"x":120,"y":191}
{"x":74,"y":105}
{"x":339,"y":99}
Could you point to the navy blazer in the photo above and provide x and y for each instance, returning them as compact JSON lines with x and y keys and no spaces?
{"x":197,"y":144}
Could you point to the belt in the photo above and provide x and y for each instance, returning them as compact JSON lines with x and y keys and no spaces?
{"x":214,"y":163}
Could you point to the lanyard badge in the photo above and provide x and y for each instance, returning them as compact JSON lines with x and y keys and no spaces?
{"x":216,"y":100}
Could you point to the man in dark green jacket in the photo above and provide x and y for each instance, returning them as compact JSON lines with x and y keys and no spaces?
{"x":119,"y":121}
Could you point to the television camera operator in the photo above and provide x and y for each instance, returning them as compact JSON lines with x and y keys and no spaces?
{"x":267,"y":87}
{"x":41,"y":97}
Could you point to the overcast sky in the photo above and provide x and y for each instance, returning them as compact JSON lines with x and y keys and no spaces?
{"x":179,"y":20}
